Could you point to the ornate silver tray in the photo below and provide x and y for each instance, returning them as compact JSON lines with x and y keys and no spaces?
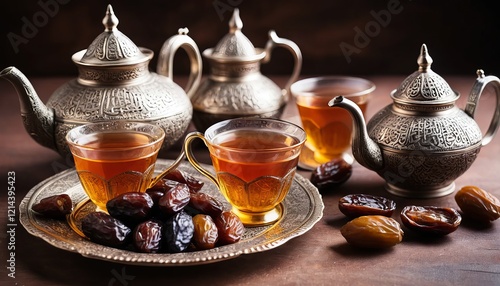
{"x":303,"y":207}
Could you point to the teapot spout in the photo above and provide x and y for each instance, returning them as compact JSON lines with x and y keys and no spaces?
{"x":364,"y":149}
{"x":38,"y":119}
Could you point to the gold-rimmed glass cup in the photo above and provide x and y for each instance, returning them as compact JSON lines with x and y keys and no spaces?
{"x":115,"y":157}
{"x":255,"y":160}
{"x":328,"y":129}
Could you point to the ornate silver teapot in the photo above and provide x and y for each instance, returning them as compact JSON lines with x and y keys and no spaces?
{"x":422,"y":141}
{"x":235,"y":86}
{"x":114,"y":83}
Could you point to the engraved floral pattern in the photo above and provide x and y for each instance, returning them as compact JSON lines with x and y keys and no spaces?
{"x":428,"y":133}
{"x":425,"y":86}
{"x":158,"y":101}
{"x":422,"y":172}
{"x":244,"y":194}
{"x":250,"y":97}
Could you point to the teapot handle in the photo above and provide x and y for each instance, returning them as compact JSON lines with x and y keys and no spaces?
{"x":166,"y":59}
{"x":473,"y":100}
{"x":274,"y":41}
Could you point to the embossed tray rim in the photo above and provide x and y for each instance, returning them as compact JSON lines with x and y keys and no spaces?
{"x":59,"y":234}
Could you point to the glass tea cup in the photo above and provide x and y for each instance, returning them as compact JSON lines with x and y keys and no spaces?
{"x":328,"y":130}
{"x":255,"y":160}
{"x":115,"y":157}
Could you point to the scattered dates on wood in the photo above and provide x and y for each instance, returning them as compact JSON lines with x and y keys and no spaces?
{"x":56,"y":206}
{"x":478,"y":204}
{"x":431,"y":219}
{"x":356,"y":205}
{"x":372,"y":231}
{"x":332,"y":174}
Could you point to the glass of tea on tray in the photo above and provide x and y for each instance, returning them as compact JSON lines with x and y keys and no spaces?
{"x":114,"y":157}
{"x":328,"y":130}
{"x":254,"y":161}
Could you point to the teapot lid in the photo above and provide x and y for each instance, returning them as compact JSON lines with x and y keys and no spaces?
{"x":234,"y":44}
{"x":424,"y":86}
{"x":112,"y":47}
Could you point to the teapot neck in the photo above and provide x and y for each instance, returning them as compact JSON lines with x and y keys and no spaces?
{"x":233,"y":70}
{"x":425,"y":107}
{"x":96,"y":75}
{"x":422,"y":108}
{"x":223,"y":68}
{"x":118,"y":72}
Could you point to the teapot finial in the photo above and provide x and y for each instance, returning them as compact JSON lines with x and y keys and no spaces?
{"x":112,"y":47}
{"x":424,"y":59}
{"x":235,"y":24}
{"x":110,"y":21}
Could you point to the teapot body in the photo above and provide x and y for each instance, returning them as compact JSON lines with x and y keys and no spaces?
{"x":114,"y":83}
{"x":423,"y":154}
{"x":154,"y":99}
{"x":422,"y":142}
{"x":235,"y":86}
{"x":253,"y":94}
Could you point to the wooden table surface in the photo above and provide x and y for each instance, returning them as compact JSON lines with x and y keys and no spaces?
{"x":469,"y":256}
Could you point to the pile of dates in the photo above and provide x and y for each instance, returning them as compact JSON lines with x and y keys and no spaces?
{"x":172,"y":216}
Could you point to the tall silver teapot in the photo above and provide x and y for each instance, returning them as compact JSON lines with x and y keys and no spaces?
{"x":235,"y":86}
{"x":114,"y":83}
{"x":422,"y":141}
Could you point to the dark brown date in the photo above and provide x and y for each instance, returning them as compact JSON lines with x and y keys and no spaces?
{"x":104,"y":229}
{"x":478,"y":204}
{"x":182,"y":177}
{"x":56,"y":206}
{"x":174,"y":200}
{"x":163,"y":185}
{"x":356,"y":205}
{"x":230,"y":228}
{"x":431,"y":219}
{"x":130,"y":208}
{"x":155,"y":195}
{"x":178,"y":232}
{"x":206,"y":204}
{"x":331,"y":174}
{"x":205,"y":232}
{"x":147,"y":236}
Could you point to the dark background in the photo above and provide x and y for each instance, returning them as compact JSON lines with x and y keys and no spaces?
{"x":462,"y":36}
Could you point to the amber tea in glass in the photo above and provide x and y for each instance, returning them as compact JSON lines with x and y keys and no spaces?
{"x":255,"y":161}
{"x":329,"y":129}
{"x":112,"y":158}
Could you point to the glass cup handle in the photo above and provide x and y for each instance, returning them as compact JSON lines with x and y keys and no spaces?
{"x":190,"y":156}
{"x":172,"y":167}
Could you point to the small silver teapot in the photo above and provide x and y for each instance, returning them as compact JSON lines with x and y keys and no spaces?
{"x":114,"y":83}
{"x":422,"y":141}
{"x":235,"y":86}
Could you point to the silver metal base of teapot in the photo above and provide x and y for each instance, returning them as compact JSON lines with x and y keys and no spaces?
{"x":420,"y":194}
